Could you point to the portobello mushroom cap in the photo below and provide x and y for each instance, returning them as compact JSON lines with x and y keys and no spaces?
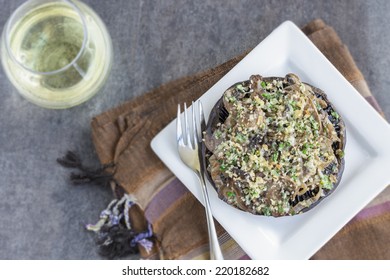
{"x":274,"y":146}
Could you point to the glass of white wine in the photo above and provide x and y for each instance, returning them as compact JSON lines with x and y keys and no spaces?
{"x":57,"y":53}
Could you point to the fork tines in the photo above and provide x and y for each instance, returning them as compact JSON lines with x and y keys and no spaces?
{"x":192,"y":130}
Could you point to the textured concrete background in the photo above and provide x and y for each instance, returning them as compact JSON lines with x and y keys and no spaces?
{"x":41,"y":213}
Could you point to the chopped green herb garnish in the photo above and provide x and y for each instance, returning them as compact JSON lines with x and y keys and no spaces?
{"x":231,"y":99}
{"x":294,"y":105}
{"x":326,"y":183}
{"x":266,"y":211}
{"x":231,"y":194}
{"x":241,"y":137}
{"x":305,"y":148}
{"x":340,"y":153}
{"x":294,"y":177}
{"x":275,"y":173}
{"x":280,"y":209}
{"x":240,"y":88}
{"x":266,"y":95}
{"x":335,"y":115}
{"x":263,"y":85}
{"x":314,"y":123}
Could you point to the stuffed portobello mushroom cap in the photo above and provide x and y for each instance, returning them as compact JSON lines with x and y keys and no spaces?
{"x":274,"y":146}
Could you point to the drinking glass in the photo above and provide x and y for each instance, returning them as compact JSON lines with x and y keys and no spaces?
{"x":57,"y":53}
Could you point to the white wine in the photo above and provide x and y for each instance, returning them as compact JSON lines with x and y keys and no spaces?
{"x":59,"y":58}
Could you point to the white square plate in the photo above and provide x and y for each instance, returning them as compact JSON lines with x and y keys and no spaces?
{"x":367,"y":153}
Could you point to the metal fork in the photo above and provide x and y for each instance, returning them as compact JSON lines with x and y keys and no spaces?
{"x":189,"y":139}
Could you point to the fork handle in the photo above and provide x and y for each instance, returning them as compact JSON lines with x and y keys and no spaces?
{"x":215,"y":249}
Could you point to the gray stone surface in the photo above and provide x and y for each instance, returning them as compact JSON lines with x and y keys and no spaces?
{"x":41,"y":213}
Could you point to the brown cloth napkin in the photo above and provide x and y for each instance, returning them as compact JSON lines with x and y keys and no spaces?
{"x":122,"y":139}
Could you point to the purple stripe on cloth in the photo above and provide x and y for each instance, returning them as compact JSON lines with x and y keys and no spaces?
{"x":164,"y":199}
{"x":374,"y":103}
{"x":245,"y":257}
{"x":373,"y":211}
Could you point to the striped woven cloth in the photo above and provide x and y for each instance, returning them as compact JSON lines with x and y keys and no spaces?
{"x":169,"y":221}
